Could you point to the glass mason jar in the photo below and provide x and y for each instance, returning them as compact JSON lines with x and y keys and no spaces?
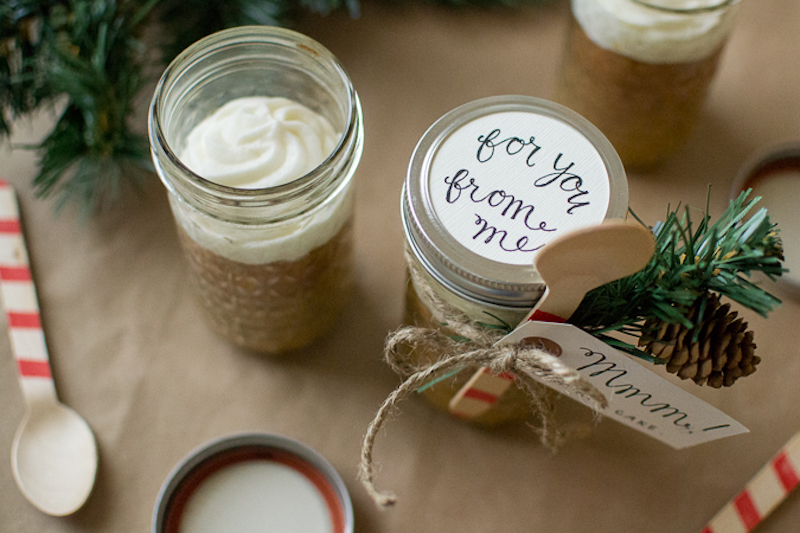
{"x":640,"y":70}
{"x":271,"y":266}
{"x":488,"y":185}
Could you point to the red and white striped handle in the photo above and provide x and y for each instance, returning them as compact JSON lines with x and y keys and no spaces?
{"x":484,"y":388}
{"x":763,"y":493}
{"x":20,"y":302}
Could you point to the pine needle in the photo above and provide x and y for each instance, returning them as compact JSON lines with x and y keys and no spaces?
{"x":88,"y":52}
{"x":689,"y":262}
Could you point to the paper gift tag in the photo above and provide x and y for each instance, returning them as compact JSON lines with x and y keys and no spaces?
{"x":636,"y":396}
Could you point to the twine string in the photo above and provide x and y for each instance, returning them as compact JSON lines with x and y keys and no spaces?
{"x":473,"y":345}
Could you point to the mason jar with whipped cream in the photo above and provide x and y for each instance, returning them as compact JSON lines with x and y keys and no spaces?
{"x":640,"y":70}
{"x":256,"y":133}
{"x":489,"y":185}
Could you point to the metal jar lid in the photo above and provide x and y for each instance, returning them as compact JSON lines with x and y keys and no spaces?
{"x":518,"y":156}
{"x":222,"y":484}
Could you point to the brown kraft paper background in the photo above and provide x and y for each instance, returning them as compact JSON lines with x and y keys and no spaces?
{"x":131,"y":354}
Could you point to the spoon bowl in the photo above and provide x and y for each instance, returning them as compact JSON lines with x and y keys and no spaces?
{"x":54,"y":458}
{"x":588,"y":258}
{"x":570,"y":266}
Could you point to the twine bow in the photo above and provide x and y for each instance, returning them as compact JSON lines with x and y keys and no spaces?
{"x":524,"y":362}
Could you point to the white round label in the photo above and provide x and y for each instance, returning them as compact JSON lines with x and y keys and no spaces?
{"x":506,"y":184}
{"x":256,"y":495}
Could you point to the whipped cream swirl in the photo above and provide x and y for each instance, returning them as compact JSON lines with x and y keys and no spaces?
{"x":652,"y":35}
{"x":258,"y":141}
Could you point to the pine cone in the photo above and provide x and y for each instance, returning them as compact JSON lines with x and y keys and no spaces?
{"x":723,"y":352}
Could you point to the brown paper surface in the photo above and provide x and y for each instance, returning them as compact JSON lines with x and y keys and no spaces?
{"x":131,"y":354}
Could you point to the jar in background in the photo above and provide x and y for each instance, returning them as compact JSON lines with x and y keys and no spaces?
{"x":488,"y":185}
{"x":270,"y":265}
{"x":640,"y":70}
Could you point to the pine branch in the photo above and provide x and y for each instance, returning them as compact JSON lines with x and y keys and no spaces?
{"x":87,"y":52}
{"x":689,"y":262}
{"x":93,"y":179}
{"x":23,"y":85}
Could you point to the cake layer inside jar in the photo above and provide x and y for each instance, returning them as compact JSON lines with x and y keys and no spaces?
{"x":276,"y":306}
{"x":647,"y":110}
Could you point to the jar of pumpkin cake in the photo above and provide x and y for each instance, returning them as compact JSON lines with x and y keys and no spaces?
{"x":488,"y":186}
{"x":256,"y":133}
{"x":640,"y":70}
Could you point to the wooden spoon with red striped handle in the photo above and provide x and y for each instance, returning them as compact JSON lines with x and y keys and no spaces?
{"x":763,"y":493}
{"x":570,"y":266}
{"x":54,"y":454}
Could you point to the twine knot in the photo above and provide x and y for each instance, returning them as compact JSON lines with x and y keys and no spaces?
{"x":472,"y":344}
{"x":526,"y":363}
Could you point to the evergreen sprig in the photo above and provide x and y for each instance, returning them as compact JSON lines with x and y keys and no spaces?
{"x":23,"y":85}
{"x":87,"y":56}
{"x":87,"y":53}
{"x":689,"y":262}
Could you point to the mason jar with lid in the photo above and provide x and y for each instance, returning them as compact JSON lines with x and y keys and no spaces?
{"x":256,"y":133}
{"x":640,"y":70}
{"x":488,"y":186}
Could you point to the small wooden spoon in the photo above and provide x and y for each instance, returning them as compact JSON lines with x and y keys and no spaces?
{"x":54,"y":454}
{"x":585,"y":259}
{"x":570,"y":266}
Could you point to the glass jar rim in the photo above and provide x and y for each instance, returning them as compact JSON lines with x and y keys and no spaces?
{"x":710,"y":6}
{"x":268,"y":35}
